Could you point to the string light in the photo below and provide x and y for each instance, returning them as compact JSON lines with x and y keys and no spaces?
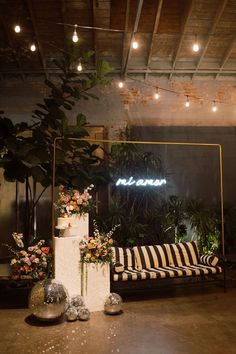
{"x":187,"y":103}
{"x":214,"y":107}
{"x":196,"y":46}
{"x":79,"y":67}
{"x":33,"y":47}
{"x":135,"y":44}
{"x":157,"y":95}
{"x":120,"y":84}
{"x":17,"y":28}
{"x":75,"y":37}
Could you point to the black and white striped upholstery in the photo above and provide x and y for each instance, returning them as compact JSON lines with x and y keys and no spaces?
{"x":166,"y":272}
{"x":211,"y":260}
{"x":150,"y":256}
{"x":182,"y":253}
{"x":124,"y":256}
{"x":176,"y":254}
{"x":162,"y":261}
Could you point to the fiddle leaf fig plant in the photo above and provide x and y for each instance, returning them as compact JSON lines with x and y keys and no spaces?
{"x":26,"y":149}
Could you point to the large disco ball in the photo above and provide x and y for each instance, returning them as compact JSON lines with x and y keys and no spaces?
{"x":48,"y":300}
{"x":113,"y":304}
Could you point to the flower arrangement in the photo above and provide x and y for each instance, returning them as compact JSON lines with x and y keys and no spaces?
{"x":97,"y":248}
{"x":33,"y":262}
{"x":72,"y":201}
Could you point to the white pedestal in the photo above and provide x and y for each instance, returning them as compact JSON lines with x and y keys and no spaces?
{"x":67,"y":263}
{"x":79,"y":226}
{"x":96,"y":285}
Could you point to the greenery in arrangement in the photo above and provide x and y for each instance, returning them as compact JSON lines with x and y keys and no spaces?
{"x":32,"y":262}
{"x":26,"y":149}
{"x":97,"y":248}
{"x":72,"y":201}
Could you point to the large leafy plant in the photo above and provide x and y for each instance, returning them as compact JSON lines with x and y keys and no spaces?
{"x":26,"y":149}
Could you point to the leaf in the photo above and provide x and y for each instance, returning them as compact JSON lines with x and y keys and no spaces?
{"x":103,"y":68}
{"x":38,"y":174}
{"x":6,"y":127}
{"x":81,"y":120}
{"x":15,"y":171}
{"x":88,"y":54}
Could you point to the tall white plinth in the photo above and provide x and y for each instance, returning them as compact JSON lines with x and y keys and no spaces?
{"x":96,"y":285}
{"x":67,"y":263}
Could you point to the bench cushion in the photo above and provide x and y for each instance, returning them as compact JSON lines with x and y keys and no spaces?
{"x":210,"y":260}
{"x":150,"y":256}
{"x":124,"y":256}
{"x":175,"y":254}
{"x":166,"y":272}
{"x":182,"y":253}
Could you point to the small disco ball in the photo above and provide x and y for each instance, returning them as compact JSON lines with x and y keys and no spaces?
{"x":48,"y":300}
{"x":76,"y":301}
{"x":83,"y":314}
{"x":113,"y":304}
{"x":71,"y":314}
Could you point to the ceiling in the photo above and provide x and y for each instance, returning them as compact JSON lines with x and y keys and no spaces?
{"x":165,"y":30}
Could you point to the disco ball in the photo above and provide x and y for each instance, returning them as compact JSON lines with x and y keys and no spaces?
{"x":83,"y":314}
{"x":76,"y":301}
{"x":71,"y":314}
{"x":113,"y":304}
{"x":48,"y":300}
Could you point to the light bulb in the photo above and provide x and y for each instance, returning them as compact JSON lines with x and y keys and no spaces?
{"x":121,"y":84}
{"x":196,"y":47}
{"x":75,"y":37}
{"x":134,"y":44}
{"x":214,"y":107}
{"x":33,"y":47}
{"x":79,"y":67}
{"x":187,"y":103}
{"x":17,"y":29}
{"x":156,"y":96}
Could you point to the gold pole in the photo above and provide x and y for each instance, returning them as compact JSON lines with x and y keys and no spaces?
{"x":222,"y":201}
{"x":146,"y":143}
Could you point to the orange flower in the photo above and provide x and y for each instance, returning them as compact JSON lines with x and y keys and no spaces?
{"x":45,"y":250}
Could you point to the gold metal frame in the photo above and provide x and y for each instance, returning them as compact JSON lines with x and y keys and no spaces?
{"x":146,"y":143}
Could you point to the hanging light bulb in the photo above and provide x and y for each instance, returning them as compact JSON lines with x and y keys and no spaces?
{"x":187,"y":103}
{"x":17,"y":29}
{"x":33,"y":47}
{"x":75,"y":37}
{"x":157,"y":95}
{"x":134,"y":44}
{"x":120,"y":84}
{"x":196,"y":46}
{"x":79,"y":67}
{"x":214,"y":107}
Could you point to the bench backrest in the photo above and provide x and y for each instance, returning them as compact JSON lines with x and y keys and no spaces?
{"x":157,"y":256}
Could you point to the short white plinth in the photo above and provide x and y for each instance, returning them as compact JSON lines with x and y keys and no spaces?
{"x":67,"y":263}
{"x":96,"y":285}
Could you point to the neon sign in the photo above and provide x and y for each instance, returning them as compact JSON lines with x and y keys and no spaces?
{"x":140,"y":182}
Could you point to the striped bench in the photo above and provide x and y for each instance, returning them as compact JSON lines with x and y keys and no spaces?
{"x":180,"y":260}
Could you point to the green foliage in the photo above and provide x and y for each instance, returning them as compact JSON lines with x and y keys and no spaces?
{"x":146,"y":216}
{"x":26,"y":150}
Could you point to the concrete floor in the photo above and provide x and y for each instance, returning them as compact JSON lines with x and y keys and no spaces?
{"x":186,"y":321}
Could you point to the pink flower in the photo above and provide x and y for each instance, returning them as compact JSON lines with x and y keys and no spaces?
{"x":30,"y":249}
